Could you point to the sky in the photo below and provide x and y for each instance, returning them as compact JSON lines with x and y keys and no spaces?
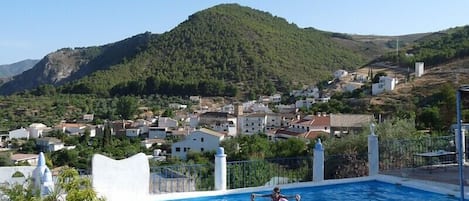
{"x":31,"y":29}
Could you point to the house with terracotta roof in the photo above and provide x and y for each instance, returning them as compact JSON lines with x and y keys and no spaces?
{"x":320,"y":122}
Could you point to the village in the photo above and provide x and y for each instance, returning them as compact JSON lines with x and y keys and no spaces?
{"x":212,"y":120}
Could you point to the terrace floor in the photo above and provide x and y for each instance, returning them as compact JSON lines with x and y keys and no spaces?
{"x":443,"y":174}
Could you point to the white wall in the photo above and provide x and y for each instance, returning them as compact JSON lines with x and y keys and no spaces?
{"x":7,"y":172}
{"x":419,"y":69}
{"x":127,"y":179}
{"x":18,"y":133}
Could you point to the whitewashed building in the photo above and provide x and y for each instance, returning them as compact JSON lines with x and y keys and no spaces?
{"x":307,"y":103}
{"x":157,"y":132}
{"x":385,"y":84}
{"x":49,"y":144}
{"x":419,"y":69}
{"x":197,"y":141}
{"x":253,"y":123}
{"x":36,"y":130}
{"x":132,"y":132}
{"x":18,"y":134}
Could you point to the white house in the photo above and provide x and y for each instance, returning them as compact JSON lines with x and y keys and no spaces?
{"x":197,"y":141}
{"x":157,"y":132}
{"x":193,"y":120}
{"x":385,"y":84}
{"x":167,"y":122}
{"x":273,"y":122}
{"x":253,"y":123}
{"x":18,"y":134}
{"x":88,"y":117}
{"x":276,"y":98}
{"x":49,"y":144}
{"x":36,"y":129}
{"x":142,"y":124}
{"x":307,"y":103}
{"x":132,"y":132}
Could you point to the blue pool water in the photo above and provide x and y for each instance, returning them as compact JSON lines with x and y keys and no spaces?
{"x":368,"y":190}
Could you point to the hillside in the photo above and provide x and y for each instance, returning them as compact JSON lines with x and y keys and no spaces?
{"x":69,"y":64}
{"x":222,"y":50}
{"x":10,"y":70}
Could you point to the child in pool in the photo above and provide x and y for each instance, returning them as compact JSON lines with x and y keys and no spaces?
{"x":276,"y":196}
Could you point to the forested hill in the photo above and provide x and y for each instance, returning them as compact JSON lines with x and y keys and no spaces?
{"x":222,"y":50}
{"x":436,"y":48}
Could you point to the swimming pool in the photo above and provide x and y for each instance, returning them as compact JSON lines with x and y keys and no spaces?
{"x":356,"y":191}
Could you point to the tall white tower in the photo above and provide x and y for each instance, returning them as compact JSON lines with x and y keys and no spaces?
{"x":419,"y":69}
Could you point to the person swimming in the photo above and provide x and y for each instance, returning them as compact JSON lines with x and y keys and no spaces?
{"x":276,"y":195}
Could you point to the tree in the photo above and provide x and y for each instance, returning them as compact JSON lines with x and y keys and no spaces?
{"x":5,"y":160}
{"x":106,"y":136}
{"x":430,"y":117}
{"x":376,"y":77}
{"x":127,"y":106}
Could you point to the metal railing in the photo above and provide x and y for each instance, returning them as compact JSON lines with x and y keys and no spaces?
{"x":345,"y":166}
{"x":269,"y":172}
{"x":398,"y":154}
{"x":181,"y":178}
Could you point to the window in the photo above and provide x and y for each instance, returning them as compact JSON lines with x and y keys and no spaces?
{"x":185,"y":149}
{"x":202,"y":139}
{"x":202,"y":149}
{"x":178,"y":149}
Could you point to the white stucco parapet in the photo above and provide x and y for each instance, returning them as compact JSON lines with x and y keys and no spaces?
{"x":126,"y":179}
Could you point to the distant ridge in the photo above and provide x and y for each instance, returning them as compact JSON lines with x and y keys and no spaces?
{"x":10,"y":70}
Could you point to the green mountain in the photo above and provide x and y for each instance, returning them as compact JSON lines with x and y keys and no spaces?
{"x":224,"y":50}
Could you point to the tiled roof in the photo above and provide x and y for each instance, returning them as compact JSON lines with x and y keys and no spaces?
{"x":315,"y":121}
{"x":350,"y":120}
{"x":211,"y":132}
{"x":19,"y":157}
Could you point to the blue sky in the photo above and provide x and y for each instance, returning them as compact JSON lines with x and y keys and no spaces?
{"x":33,"y":28}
